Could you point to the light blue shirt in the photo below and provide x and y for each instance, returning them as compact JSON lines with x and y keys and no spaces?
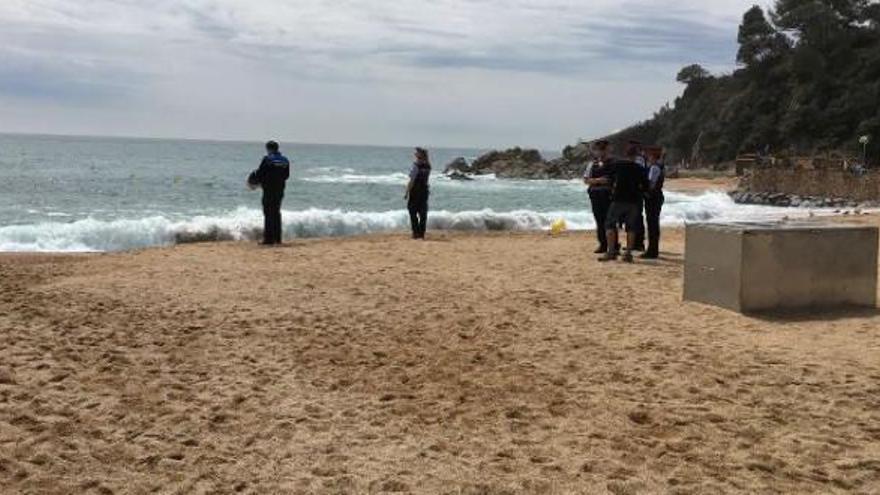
{"x":654,"y":175}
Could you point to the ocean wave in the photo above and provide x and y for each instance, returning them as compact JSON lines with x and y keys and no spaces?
{"x":348,"y":178}
{"x":487,"y":182}
{"x":245,"y":224}
{"x":332,"y":170}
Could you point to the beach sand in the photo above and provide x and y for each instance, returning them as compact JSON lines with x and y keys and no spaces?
{"x":698,"y":185}
{"x":472,"y":364}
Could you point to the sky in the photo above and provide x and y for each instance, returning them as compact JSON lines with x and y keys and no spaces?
{"x":472,"y":73}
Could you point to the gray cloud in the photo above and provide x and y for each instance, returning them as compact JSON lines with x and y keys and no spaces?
{"x":67,"y":77}
{"x":210,"y":65}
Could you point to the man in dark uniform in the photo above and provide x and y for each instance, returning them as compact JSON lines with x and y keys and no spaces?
{"x":596,"y":177}
{"x":272,"y":176}
{"x":628,"y":184}
{"x":417,"y":193}
{"x":654,"y":200}
{"x":642,"y":162}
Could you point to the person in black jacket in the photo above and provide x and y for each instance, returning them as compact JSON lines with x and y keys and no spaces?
{"x":417,"y":192}
{"x":628,"y":184}
{"x":596,"y":177}
{"x":272,"y":176}
{"x":642,"y":161}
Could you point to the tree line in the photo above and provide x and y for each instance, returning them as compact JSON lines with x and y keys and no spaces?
{"x":807,"y":80}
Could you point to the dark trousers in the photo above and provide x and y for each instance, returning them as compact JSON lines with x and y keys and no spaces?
{"x":653,"y":207}
{"x":272,"y":218}
{"x":418,"y":216}
{"x":640,"y":227}
{"x":600,"y":201}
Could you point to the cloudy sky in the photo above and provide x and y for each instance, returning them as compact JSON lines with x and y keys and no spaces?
{"x":435,"y":72}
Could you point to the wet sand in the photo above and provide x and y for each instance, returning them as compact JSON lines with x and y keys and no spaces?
{"x":484,"y":364}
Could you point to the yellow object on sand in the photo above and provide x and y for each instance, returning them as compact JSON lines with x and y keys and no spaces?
{"x":558,"y":227}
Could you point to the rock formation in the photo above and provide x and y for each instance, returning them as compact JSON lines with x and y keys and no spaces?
{"x":460,"y":165}
{"x":518,"y":163}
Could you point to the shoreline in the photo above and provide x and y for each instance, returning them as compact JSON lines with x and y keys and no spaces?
{"x":844,"y":215}
{"x":113,"y":235}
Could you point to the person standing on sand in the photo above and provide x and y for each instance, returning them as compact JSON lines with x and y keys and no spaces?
{"x":599,"y":190}
{"x":654,"y":200}
{"x":628,"y":184}
{"x":642,"y":161}
{"x":272,"y":176}
{"x":417,"y":192}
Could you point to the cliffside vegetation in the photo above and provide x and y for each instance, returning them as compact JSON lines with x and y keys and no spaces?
{"x":807,"y":80}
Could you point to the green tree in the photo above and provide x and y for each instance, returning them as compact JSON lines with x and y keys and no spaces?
{"x":692,"y":73}
{"x":758,"y":40}
{"x":809,"y":79}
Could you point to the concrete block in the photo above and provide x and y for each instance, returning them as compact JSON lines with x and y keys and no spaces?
{"x":765,"y":267}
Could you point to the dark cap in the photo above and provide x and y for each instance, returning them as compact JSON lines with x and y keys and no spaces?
{"x":272,"y":146}
{"x":632,"y":148}
{"x":422,"y":155}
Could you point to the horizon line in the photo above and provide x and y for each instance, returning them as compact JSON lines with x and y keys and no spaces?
{"x":260,"y":142}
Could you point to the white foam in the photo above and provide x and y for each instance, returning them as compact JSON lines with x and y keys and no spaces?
{"x":348,"y":178}
{"x":398,"y":178}
{"x":244,"y":223}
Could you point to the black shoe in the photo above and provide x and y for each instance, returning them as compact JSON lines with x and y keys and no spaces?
{"x":600,"y":250}
{"x":608,"y":257}
{"x":648,"y":255}
{"x":628,"y":257}
{"x":639,"y":247}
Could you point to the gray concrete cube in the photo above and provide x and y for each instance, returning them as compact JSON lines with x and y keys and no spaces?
{"x":789,"y":266}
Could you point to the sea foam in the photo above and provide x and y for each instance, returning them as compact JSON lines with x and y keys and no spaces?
{"x":92,"y":234}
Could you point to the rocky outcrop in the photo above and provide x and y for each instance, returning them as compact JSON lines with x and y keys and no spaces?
{"x":519,"y":163}
{"x":515,"y":163}
{"x":577,"y":154}
{"x":573,"y":163}
{"x":456,"y":175}
{"x":460,"y":165}
{"x":794,"y":200}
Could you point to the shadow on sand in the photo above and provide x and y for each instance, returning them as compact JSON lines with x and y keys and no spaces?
{"x":665,"y":259}
{"x":816,"y":314}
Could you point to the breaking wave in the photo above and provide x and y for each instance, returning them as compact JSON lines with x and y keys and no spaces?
{"x":91,"y":234}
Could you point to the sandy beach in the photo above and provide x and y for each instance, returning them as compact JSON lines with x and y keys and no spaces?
{"x":478,"y":364}
{"x":698,"y":185}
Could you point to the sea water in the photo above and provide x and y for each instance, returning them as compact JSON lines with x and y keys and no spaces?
{"x":106,"y":194}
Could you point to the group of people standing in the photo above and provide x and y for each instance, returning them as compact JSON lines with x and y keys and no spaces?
{"x":626,"y":191}
{"x":623,"y":191}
